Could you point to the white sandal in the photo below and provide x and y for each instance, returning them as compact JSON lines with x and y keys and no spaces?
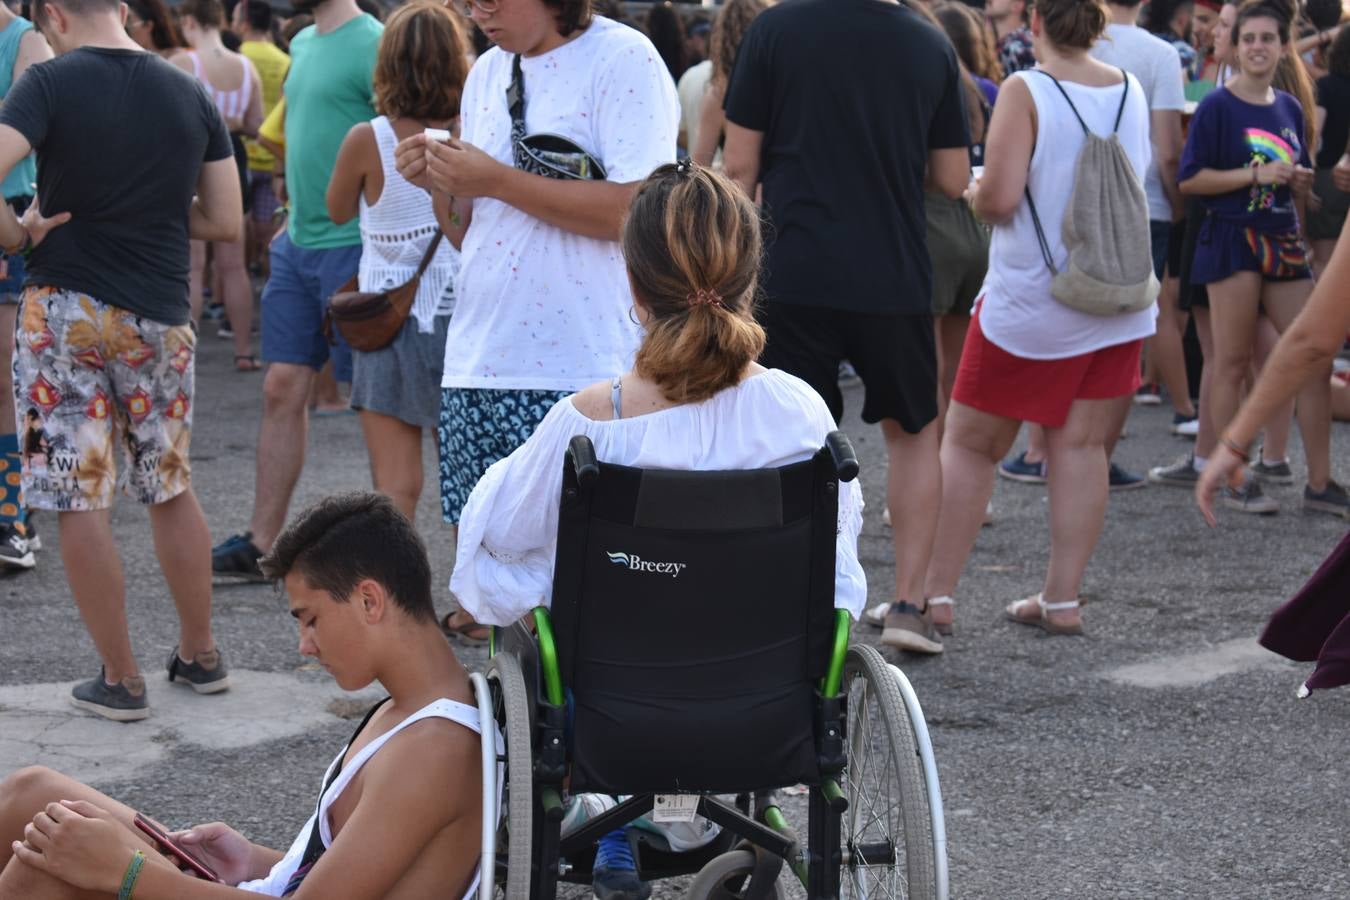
{"x":1042,"y":620}
{"x":946,"y":628}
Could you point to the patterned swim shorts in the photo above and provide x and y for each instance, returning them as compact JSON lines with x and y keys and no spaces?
{"x":478,"y":427}
{"x":89,"y":378}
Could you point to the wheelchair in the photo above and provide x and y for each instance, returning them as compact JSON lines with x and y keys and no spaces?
{"x":693,"y":662}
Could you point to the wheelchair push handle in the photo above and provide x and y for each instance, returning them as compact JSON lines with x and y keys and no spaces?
{"x":841,"y":451}
{"x":581,"y":456}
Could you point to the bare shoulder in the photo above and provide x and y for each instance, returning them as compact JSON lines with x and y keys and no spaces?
{"x":594,"y":402}
{"x":182,"y":60}
{"x":438,"y":748}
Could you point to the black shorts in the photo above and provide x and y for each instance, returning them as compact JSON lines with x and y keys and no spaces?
{"x":895,"y":355}
{"x":1192,"y":295}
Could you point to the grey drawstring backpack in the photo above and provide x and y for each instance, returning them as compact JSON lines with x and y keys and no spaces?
{"x":1106,"y":228}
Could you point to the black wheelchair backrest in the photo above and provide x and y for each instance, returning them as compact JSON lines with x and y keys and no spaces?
{"x":694,"y":614}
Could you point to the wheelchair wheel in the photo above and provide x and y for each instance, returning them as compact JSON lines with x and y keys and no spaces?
{"x":887,"y":831}
{"x":724,"y":877}
{"x":511,"y":705}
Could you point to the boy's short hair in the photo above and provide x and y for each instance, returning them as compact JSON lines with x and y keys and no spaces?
{"x":342,"y":540}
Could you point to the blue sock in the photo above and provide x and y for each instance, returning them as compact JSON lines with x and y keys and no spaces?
{"x":11,"y":467}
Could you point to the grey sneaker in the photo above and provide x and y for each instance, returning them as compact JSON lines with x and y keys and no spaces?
{"x":1273,"y":473}
{"x":909,"y":629}
{"x":1250,"y":499}
{"x":1331,"y":500}
{"x":122,"y":702}
{"x":1180,"y":474}
{"x":206,"y":673}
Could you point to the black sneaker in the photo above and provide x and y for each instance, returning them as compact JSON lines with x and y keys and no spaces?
{"x":206,"y":673}
{"x":122,"y":702}
{"x":1273,"y":473}
{"x":1120,"y":480}
{"x":1180,"y":474}
{"x":1331,"y":500}
{"x":237,"y":557}
{"x":15,"y":553}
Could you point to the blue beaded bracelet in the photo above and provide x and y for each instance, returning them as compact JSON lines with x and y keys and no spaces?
{"x":133,"y":873}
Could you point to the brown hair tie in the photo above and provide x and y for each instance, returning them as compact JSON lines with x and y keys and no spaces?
{"x":705,"y":297}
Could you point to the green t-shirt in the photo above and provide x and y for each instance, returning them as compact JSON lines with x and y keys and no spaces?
{"x":19,"y":181}
{"x":328,"y":90}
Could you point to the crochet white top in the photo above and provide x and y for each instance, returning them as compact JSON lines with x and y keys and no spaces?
{"x":395,"y":231}
{"x":509,"y":527}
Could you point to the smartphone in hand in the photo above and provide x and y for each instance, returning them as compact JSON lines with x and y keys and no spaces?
{"x":167,"y":844}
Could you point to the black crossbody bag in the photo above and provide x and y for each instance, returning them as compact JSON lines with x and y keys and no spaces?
{"x":549,"y":155}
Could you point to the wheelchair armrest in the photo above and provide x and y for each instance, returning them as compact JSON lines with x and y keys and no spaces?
{"x":841,"y":451}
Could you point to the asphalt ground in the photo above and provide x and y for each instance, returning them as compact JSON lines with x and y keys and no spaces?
{"x":1160,"y":755}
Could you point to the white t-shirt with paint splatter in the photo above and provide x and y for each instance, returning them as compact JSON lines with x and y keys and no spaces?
{"x":541,"y":308}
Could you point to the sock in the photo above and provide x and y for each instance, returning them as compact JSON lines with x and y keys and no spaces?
{"x":1198,"y":463}
{"x":1266,"y":460}
{"x":11,"y":479}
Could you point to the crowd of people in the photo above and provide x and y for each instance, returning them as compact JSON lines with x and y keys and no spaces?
{"x":654,"y":234}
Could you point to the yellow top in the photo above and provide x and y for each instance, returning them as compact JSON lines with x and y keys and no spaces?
{"x":273,"y":129}
{"x":272,"y":64}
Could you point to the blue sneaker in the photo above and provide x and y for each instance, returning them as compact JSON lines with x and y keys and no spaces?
{"x":614,"y":875}
{"x":1121,"y":480}
{"x":1018,"y":469}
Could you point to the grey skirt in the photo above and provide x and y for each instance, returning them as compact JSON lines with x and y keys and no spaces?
{"x":404,"y":379}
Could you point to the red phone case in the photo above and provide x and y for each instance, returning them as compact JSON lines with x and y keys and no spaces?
{"x":183,"y":856}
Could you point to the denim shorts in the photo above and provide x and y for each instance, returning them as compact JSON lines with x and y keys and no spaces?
{"x":478,"y":427}
{"x":293,"y":303}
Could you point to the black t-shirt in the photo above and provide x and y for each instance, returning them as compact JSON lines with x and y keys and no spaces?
{"x":846,"y":141}
{"x":121,"y":136}
{"x":1333,"y":95}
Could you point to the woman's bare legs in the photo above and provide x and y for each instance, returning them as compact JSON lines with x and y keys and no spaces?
{"x":1208,"y":437}
{"x":1233,"y":307}
{"x":951,"y":337}
{"x":395,"y":450}
{"x":196,"y":276}
{"x":238,"y":295}
{"x":1078,"y":487}
{"x":1275,"y":436}
{"x":1283,"y":301}
{"x":972,"y":446}
{"x":1167,"y":358}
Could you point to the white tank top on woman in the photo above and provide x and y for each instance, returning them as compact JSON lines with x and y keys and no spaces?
{"x":1017,"y":313}
{"x":395,"y":232}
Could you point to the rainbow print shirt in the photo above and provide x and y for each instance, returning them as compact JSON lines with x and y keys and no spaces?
{"x":1230,"y":133}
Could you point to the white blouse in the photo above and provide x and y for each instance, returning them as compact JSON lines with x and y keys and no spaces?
{"x":508,"y":529}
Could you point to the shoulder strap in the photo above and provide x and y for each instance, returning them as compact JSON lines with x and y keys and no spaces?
{"x":1065,"y":94}
{"x":1040,"y":235}
{"x":428,"y":256}
{"x":616,"y":396}
{"x":515,"y":95}
{"x":314,"y":849}
{"x":1124,"y":93}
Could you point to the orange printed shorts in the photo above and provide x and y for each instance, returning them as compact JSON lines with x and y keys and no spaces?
{"x":93,"y":382}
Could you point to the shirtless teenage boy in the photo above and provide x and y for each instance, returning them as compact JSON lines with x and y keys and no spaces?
{"x":402,"y":817}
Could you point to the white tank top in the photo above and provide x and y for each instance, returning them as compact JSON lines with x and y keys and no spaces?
{"x":395,"y":232}
{"x":277,"y":879}
{"x":232,"y":104}
{"x":1017,"y":313}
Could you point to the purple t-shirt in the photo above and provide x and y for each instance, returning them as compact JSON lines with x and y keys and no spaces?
{"x":1230,"y":133}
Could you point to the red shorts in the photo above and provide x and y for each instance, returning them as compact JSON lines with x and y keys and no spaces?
{"x":994,"y":381}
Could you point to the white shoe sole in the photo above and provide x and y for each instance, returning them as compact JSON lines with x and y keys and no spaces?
{"x":27,"y":561}
{"x":908,"y":640}
{"x":211,"y":687}
{"x":876,"y":615}
{"x":116,"y":715}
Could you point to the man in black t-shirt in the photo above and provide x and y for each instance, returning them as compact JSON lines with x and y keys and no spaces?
{"x":136,"y":159}
{"x":843,"y":148}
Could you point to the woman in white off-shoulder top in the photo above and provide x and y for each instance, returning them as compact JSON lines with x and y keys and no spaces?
{"x":694,"y":399}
